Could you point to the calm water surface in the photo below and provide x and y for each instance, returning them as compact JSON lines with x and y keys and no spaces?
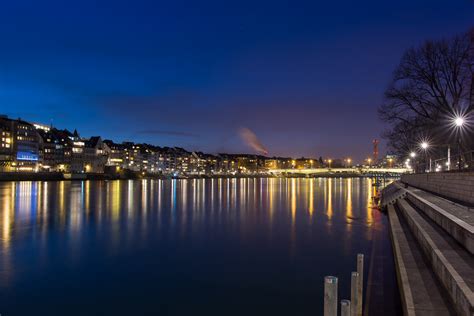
{"x":180,"y":247}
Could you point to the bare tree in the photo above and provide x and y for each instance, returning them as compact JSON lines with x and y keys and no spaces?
{"x":432,"y":83}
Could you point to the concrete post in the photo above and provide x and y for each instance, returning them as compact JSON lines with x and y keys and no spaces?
{"x":360,"y":285}
{"x":345,"y":308}
{"x":330,"y":296}
{"x":354,"y":296}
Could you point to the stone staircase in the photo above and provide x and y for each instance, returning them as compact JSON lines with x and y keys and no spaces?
{"x":433,"y":246}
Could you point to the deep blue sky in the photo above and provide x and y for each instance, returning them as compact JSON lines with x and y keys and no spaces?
{"x":305,"y":76}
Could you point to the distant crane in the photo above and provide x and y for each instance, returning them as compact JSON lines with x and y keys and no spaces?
{"x":375,"y":142}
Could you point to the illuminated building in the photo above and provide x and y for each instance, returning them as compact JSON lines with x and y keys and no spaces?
{"x":21,"y":144}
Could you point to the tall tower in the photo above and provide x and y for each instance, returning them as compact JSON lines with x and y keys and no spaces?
{"x":375,"y":142}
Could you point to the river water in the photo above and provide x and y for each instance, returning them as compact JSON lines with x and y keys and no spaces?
{"x":186,"y":247}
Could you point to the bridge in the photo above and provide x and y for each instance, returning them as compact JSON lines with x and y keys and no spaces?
{"x":344,"y":171}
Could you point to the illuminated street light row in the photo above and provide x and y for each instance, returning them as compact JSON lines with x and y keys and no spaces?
{"x":458,"y":122}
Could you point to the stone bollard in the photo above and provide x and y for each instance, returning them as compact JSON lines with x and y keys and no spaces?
{"x":345,"y":308}
{"x":360,"y":285}
{"x":330,"y":296}
{"x":354,"y":292}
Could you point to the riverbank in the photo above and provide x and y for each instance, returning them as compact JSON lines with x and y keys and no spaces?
{"x":58,"y":176}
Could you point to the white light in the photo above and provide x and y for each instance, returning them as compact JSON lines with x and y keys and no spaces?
{"x":412,"y":154}
{"x":459,"y":121}
{"x":424,"y":145}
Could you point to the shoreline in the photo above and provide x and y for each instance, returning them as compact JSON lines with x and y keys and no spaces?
{"x":56,"y":176}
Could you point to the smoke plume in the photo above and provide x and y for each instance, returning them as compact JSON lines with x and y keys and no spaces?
{"x":252,"y":141}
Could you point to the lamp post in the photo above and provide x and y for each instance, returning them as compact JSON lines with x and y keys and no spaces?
{"x":412,"y":156}
{"x":424,"y":146}
{"x":459,"y":122}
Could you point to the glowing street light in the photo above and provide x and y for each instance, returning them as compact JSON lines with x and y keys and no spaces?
{"x":459,"y":121}
{"x":369,"y":160}
{"x":413,"y":154}
{"x":425,"y":146}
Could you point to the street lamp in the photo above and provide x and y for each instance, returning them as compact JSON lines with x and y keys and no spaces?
{"x":349,"y":160}
{"x":424,"y":145}
{"x":459,"y":123}
{"x":413,"y":154}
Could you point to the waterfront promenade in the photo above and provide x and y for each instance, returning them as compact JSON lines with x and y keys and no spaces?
{"x":432,"y":227}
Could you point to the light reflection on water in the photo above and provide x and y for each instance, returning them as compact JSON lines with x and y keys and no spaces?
{"x":286,"y":234}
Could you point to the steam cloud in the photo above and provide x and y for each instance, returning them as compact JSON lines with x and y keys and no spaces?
{"x":252,"y":141}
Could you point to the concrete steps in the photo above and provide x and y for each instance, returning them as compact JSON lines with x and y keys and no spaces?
{"x":455,"y":219}
{"x":449,"y":260}
{"x":421,"y":293}
{"x":391,"y":194}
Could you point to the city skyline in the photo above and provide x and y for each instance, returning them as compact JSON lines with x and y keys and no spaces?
{"x":43,"y":130}
{"x":192,"y":76}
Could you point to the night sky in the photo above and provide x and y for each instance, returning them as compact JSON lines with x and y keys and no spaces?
{"x":305,"y":76}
